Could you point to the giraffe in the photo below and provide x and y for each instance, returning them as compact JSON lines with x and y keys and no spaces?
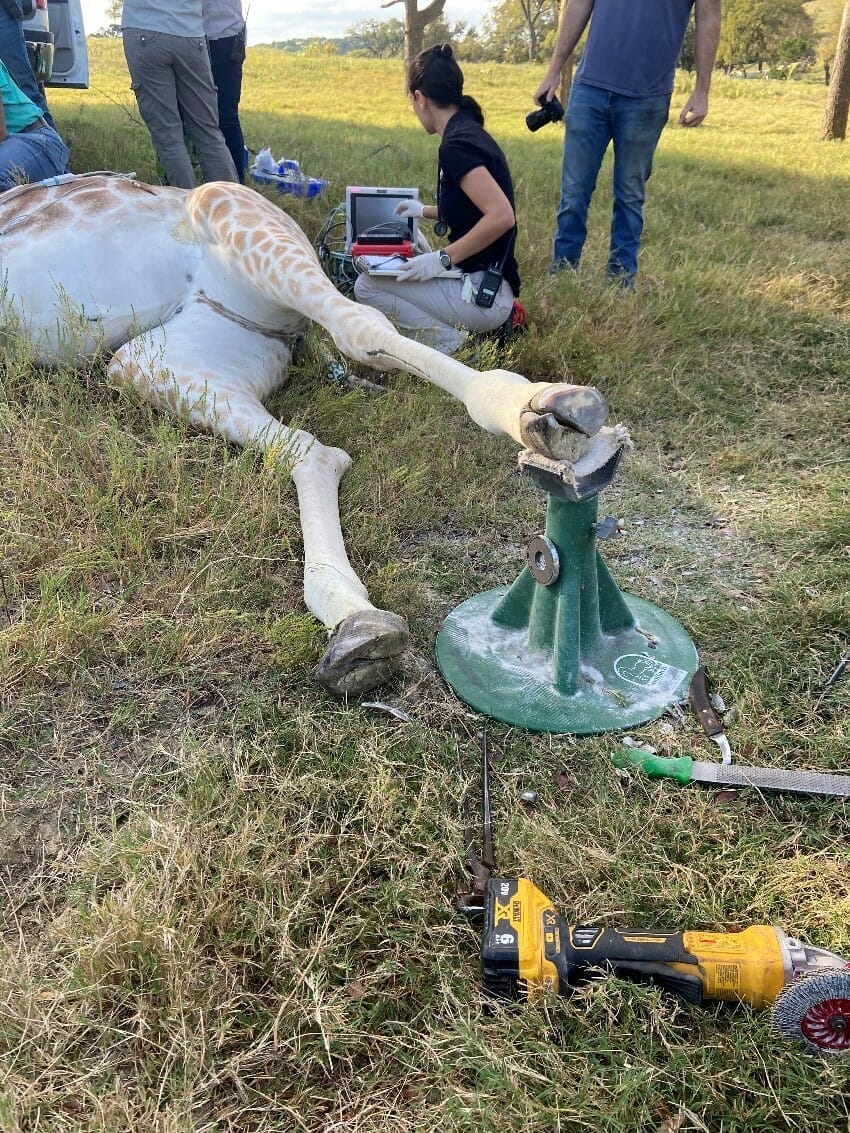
{"x":199,"y":296}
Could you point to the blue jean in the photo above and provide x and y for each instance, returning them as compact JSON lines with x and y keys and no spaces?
{"x":594,"y":118}
{"x":226,"y":58}
{"x":31,"y":157}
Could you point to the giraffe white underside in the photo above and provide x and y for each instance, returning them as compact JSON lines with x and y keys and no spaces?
{"x":198,"y":294}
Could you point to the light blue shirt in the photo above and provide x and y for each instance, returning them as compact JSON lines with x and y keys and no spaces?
{"x":176,"y":17}
{"x":223,"y":18}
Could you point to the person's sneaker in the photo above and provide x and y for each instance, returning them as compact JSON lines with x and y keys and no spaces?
{"x":487,"y":346}
{"x":622,"y":281}
{"x":557,"y":266}
{"x":513,"y":326}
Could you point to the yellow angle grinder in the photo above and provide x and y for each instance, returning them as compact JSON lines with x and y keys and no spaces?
{"x":527,"y":948}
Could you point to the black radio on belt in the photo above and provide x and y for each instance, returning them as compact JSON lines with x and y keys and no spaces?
{"x":491,"y":279}
{"x":488,"y":288}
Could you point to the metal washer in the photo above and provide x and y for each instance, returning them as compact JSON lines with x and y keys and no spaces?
{"x":543,"y":560}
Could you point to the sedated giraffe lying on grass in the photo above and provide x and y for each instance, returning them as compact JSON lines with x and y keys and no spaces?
{"x":201,"y":295}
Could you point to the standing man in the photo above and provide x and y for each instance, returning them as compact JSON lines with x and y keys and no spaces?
{"x":224,"y":26}
{"x":169,"y":66}
{"x":621,"y":94}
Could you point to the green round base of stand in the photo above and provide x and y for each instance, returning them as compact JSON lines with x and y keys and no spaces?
{"x":635,"y":676}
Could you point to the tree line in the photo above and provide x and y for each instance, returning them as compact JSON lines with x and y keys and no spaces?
{"x":759,"y":34}
{"x":786,"y":36}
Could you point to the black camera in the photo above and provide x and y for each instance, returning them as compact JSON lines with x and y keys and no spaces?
{"x":550,"y":111}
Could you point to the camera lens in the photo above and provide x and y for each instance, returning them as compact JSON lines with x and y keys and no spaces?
{"x":550,"y":111}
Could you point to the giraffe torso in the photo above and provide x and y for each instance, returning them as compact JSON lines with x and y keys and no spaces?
{"x":96,"y":261}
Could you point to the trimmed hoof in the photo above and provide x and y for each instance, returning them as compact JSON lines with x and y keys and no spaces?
{"x":364,"y":652}
{"x":560,"y":421}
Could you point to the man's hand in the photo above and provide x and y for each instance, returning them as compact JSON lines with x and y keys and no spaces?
{"x":421,"y":268}
{"x":547,"y":89}
{"x":694,"y":110}
{"x":408,"y":209}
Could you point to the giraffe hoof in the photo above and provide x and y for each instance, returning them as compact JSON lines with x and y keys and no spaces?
{"x":364,"y":652}
{"x":560,"y":421}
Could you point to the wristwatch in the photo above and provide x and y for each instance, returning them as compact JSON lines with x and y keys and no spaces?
{"x":446,"y":261}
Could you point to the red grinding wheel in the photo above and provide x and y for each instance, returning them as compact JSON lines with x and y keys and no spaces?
{"x":827,"y":1024}
{"x":816,"y":1012}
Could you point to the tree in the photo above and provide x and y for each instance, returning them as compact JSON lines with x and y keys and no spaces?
{"x":381,"y":39}
{"x":112,"y":30}
{"x":516,"y":30}
{"x":688,"y":57}
{"x":539,"y":16}
{"x":416,"y":21}
{"x":443,"y":31}
{"x":384,"y":39}
{"x":319,"y":48}
{"x":753,"y":29}
{"x":834,"y":126}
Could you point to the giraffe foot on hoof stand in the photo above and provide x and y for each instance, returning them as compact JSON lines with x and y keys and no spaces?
{"x":202,"y":296}
{"x":560,"y":421}
{"x":364,"y":651}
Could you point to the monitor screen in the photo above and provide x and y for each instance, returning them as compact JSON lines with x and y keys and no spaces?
{"x":369,"y":212}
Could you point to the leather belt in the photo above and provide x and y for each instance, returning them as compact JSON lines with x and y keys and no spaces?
{"x":36,"y":125}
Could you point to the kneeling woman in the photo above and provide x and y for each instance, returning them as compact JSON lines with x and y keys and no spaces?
{"x":475,"y":200}
{"x":30,"y":149}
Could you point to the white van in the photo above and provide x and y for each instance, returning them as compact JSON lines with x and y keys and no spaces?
{"x":56,"y":42}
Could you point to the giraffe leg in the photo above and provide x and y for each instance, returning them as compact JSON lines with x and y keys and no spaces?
{"x":222,"y":394}
{"x":274,"y":258}
{"x":557,"y":419}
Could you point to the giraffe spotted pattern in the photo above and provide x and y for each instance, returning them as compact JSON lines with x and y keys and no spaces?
{"x":198,"y":295}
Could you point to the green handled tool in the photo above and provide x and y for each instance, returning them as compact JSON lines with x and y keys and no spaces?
{"x":686,"y":770}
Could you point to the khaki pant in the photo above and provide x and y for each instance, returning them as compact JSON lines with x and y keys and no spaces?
{"x":435,"y":311}
{"x":172,"y":81}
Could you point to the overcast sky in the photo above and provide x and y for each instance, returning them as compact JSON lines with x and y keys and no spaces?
{"x":286,"y":19}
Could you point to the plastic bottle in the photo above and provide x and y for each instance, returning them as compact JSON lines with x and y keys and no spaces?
{"x":59,"y":179}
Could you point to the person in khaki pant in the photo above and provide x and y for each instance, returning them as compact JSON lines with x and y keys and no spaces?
{"x":170,"y":74}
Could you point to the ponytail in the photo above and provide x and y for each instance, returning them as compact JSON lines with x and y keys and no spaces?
{"x":468,"y":103}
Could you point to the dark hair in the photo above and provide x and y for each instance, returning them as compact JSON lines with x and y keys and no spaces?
{"x":436,"y":73}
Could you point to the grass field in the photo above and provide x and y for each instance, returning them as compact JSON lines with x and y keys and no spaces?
{"x":227,"y":901}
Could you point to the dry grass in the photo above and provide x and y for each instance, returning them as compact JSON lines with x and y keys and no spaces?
{"x":227,"y":900}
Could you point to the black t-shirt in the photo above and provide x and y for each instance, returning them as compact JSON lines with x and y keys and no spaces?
{"x":464,"y":146}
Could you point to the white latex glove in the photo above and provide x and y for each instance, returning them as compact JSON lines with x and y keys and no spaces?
{"x":421,"y":268}
{"x":409,"y":209}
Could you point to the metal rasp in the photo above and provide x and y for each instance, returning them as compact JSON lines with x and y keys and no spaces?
{"x":686,"y":770}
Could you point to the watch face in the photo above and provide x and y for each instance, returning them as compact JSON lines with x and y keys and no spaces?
{"x":446,"y":260}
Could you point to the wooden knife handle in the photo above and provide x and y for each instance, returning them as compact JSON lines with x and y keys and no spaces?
{"x":699,"y":700}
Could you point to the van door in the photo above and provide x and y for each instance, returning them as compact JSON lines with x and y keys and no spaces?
{"x":70,"y":53}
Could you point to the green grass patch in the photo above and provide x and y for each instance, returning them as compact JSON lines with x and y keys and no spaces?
{"x":227,"y":900}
